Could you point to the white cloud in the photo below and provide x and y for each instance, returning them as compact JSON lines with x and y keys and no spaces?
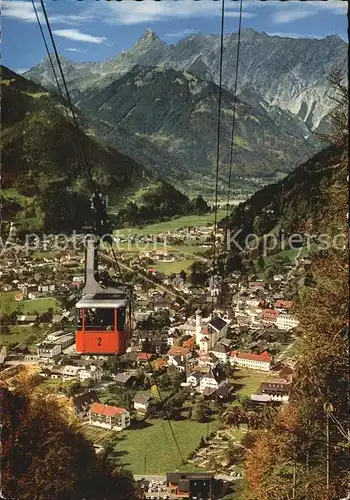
{"x":288,"y":12}
{"x":336,"y":6}
{"x":180,"y":34}
{"x":77,"y":35}
{"x":19,"y":10}
{"x":281,"y":17}
{"x":292,"y":35}
{"x":71,"y":49}
{"x":149,"y":11}
{"x":22,"y":10}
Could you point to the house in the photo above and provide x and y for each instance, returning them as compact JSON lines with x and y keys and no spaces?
{"x":90,"y":372}
{"x":178,"y":351}
{"x":141,"y":403}
{"x":208,"y":359}
{"x":256,"y":285}
{"x":145,"y":357}
{"x":218,"y":327}
{"x":178,"y":362}
{"x":109,"y":417}
{"x":54,"y":372}
{"x":284,"y":304}
{"x":65,"y":341}
{"x":190,"y":486}
{"x":83,"y":402}
{"x":48,"y":349}
{"x":26,"y":319}
{"x":286,"y":321}
{"x":170,"y":339}
{"x":20,"y":349}
{"x":204,"y":343}
{"x":70,"y":371}
{"x":221,"y":352}
{"x":261,"y":362}
{"x":269,"y":315}
{"x":125,"y":379}
{"x":226,"y":342}
{"x":213,"y":379}
{"x":277,"y":390}
{"x":260,"y":398}
{"x":224,"y":391}
{"x":193,"y":379}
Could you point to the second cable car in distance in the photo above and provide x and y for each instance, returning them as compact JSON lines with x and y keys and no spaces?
{"x":103,"y":313}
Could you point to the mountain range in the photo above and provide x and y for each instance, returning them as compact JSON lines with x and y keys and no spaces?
{"x":296,"y":82}
{"x":159,"y":103}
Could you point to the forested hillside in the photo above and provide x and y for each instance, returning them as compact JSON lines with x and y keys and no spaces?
{"x":303,"y":452}
{"x":44,"y":181}
{"x":44,"y":454}
{"x":290,"y":202}
{"x":306,"y":449}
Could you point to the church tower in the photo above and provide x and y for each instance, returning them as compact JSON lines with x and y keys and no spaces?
{"x":198,"y":326}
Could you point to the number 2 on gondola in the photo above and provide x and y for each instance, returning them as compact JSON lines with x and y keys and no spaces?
{"x":99,"y":341}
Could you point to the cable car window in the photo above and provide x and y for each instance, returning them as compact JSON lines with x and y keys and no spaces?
{"x":99,"y":319}
{"x":79,"y":319}
{"x":121,"y":319}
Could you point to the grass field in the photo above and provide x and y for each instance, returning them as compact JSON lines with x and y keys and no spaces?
{"x":96,"y":435}
{"x":8,"y":304}
{"x":134,"y":248}
{"x":21,"y":334}
{"x":250,"y":381}
{"x":291,"y":253}
{"x":173,"y":267}
{"x":155,"y":445}
{"x":191,"y":252}
{"x":172,"y":225}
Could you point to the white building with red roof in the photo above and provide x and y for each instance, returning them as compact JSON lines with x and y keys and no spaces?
{"x":269,"y":315}
{"x":109,"y":417}
{"x":286,"y":321}
{"x":261,"y":362}
{"x":284,"y":304}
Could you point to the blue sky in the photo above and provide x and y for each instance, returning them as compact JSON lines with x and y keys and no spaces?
{"x":91,"y":30}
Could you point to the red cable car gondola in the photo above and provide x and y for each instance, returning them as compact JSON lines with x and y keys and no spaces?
{"x":103,"y":312}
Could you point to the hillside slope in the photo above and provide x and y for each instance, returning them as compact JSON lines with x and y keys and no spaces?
{"x":177,"y":111}
{"x":290,"y":203}
{"x":43,"y":178}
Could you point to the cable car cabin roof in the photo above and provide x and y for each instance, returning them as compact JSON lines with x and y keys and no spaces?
{"x":101,"y":301}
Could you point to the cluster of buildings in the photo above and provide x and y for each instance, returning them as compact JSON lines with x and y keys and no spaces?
{"x":202,"y":349}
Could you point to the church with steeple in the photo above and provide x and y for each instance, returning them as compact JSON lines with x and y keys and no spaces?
{"x":208,"y":334}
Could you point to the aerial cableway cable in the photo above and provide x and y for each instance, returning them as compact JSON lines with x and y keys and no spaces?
{"x":183,"y":462}
{"x":95,"y":191}
{"x":218,"y":135}
{"x":215,"y":260}
{"x":48,"y":51}
{"x":233,"y":123}
{"x":85,"y":157}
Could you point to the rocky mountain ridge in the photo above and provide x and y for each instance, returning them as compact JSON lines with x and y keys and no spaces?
{"x":296,"y":83}
{"x":177,"y":111}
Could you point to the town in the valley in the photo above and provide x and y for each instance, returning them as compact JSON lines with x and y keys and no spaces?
{"x":204,"y":352}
